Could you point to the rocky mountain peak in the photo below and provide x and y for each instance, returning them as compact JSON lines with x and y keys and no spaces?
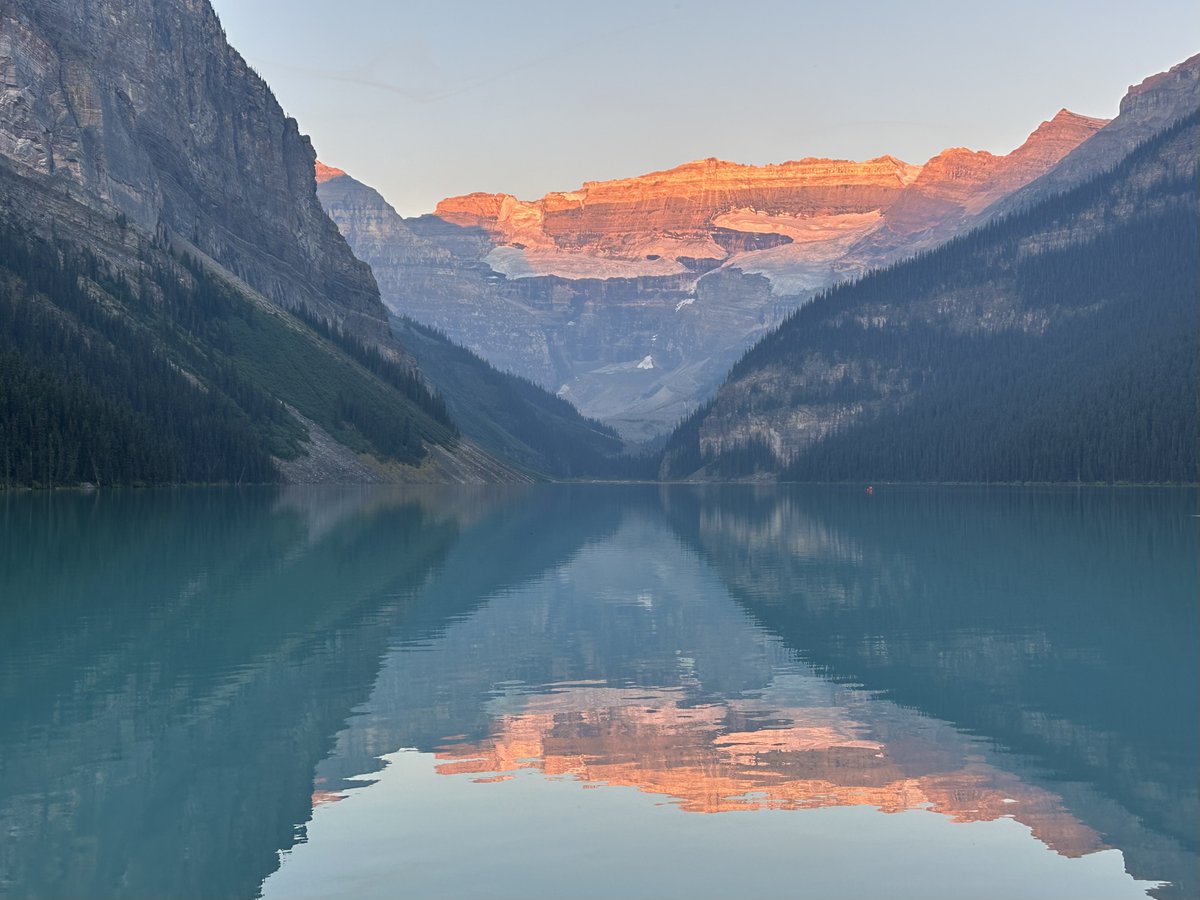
{"x":1148,"y":108}
{"x":973,"y":179}
{"x":326,"y":173}
{"x":1164,"y":89}
{"x":1054,"y":139}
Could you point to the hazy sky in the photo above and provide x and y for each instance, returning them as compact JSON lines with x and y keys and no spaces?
{"x":426,"y":99}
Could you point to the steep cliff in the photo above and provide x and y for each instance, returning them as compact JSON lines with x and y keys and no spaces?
{"x":633,"y":297}
{"x":142,"y":108}
{"x":158,"y":218}
{"x":663,"y":223}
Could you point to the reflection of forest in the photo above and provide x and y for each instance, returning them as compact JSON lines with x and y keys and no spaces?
{"x":175,"y":666}
{"x":1061,"y":624}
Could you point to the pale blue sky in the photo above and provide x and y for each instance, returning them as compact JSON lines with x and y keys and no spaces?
{"x":425,"y":100}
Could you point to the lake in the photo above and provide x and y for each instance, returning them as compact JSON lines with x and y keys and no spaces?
{"x":600,"y":691}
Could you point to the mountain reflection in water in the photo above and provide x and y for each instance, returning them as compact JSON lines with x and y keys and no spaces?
{"x":187,"y":676}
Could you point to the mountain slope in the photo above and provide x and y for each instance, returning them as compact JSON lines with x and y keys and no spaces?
{"x":179,"y":377}
{"x":1146,"y":109}
{"x":1059,"y":344}
{"x":632,"y":298}
{"x":512,"y":417}
{"x":506,"y":414}
{"x":158,"y":215}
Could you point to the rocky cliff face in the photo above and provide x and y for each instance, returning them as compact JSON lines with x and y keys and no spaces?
{"x":133,"y":137}
{"x":663,"y":223}
{"x":1146,"y":109}
{"x":634,"y":297}
{"x":140,"y":109}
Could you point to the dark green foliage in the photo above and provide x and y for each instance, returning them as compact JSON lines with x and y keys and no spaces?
{"x":515,"y":418}
{"x":682,"y":452}
{"x":1104,"y":397}
{"x":178,"y":378}
{"x":406,"y":379}
{"x":1104,"y":390}
{"x":745,"y":460}
{"x":394,"y":437}
{"x":86,"y":396}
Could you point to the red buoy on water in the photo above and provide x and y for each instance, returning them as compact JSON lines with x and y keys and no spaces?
{"x":870,"y":489}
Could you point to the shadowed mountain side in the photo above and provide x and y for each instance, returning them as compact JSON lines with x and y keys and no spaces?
{"x":158,"y":215}
{"x":512,"y":417}
{"x":1092,"y":673}
{"x":1054,"y":345}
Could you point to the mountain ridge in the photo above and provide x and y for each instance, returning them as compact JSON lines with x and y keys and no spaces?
{"x":1052,"y":344}
{"x":633,"y":297}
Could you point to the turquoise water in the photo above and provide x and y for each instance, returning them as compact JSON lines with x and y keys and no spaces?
{"x":600,"y":692}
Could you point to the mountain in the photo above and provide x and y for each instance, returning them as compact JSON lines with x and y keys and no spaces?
{"x":1146,"y":109}
{"x":632,"y":298}
{"x":508,"y":415}
{"x":1054,"y":344}
{"x":141,"y":109}
{"x":515,"y":419}
{"x":177,"y":306}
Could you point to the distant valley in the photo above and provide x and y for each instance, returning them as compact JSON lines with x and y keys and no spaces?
{"x":633,"y":298}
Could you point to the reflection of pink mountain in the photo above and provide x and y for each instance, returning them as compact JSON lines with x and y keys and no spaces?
{"x":710,"y":759}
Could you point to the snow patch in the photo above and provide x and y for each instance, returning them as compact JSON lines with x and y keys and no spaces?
{"x":647,"y":363}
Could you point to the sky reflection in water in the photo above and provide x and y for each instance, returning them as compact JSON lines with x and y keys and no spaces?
{"x":938,"y":693}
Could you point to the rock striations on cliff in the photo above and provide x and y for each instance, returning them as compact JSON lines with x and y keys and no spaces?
{"x":142,"y":108}
{"x":633,"y":297}
{"x":158,"y":216}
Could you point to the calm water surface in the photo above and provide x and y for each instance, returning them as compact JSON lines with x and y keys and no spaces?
{"x":570,"y":692}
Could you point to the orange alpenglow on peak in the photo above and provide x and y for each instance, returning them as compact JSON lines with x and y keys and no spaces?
{"x":792,"y":222}
{"x":326,"y":173}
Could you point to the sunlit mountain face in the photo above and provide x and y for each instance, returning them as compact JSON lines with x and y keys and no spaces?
{"x":633,"y":297}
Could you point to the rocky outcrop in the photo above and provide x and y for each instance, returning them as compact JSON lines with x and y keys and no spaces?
{"x":633,"y":297}
{"x":1146,"y":109}
{"x":141,"y":110}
